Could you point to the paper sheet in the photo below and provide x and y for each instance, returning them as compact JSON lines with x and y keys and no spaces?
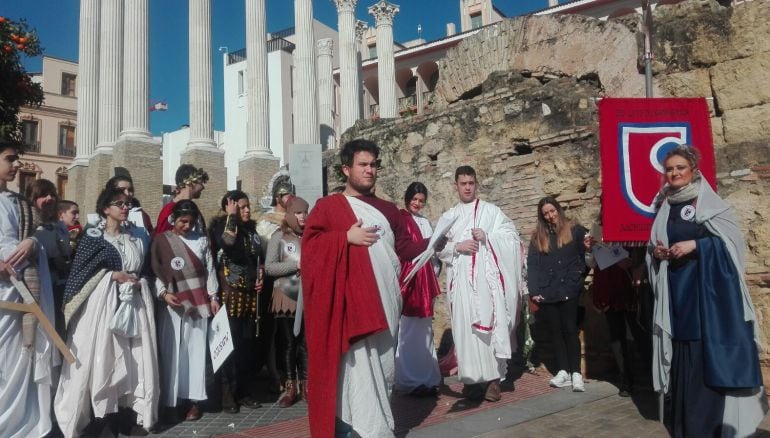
{"x":606,"y":255}
{"x":220,"y":338}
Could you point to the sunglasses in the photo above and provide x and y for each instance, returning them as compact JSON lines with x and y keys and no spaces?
{"x":119,"y":204}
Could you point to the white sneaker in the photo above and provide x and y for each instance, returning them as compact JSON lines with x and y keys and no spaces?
{"x":560,"y":380}
{"x":577,"y":383}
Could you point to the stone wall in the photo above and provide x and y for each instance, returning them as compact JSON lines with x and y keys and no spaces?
{"x":518,"y":102}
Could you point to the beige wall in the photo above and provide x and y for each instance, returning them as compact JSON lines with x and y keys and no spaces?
{"x":56,"y":111}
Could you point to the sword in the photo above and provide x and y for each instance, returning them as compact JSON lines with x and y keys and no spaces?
{"x":30,"y":306}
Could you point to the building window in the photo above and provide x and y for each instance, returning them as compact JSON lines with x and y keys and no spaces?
{"x":25,"y":178}
{"x":476,"y":21}
{"x":68,"y":83}
{"x":29,"y":135}
{"x":372,"y":50}
{"x":61,"y":185}
{"x":240,"y":83}
{"x":67,"y":140}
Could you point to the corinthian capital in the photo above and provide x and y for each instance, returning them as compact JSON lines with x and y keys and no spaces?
{"x":325,"y":46}
{"x":383,"y":12}
{"x":345,"y":5}
{"x":361,"y":27}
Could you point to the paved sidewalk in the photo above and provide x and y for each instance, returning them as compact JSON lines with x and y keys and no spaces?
{"x":532,"y":409}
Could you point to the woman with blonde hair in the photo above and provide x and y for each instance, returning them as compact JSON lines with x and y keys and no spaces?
{"x":705,"y":355}
{"x":557,"y":269}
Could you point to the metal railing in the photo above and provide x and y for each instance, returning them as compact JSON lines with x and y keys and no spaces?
{"x":66,"y":151}
{"x":273,"y":45}
{"x":374,"y":111}
{"x":32,"y":146}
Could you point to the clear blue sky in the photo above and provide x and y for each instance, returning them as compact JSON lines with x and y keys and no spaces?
{"x":56,"y":22}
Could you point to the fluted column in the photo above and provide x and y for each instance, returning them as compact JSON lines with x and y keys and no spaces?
{"x":201,"y":95}
{"x":258,"y":124}
{"x":349,"y":83}
{"x":383,"y":13}
{"x":135,"y":70}
{"x":361,"y":28}
{"x":110,"y":74}
{"x":326,"y":92}
{"x":306,"y":129}
{"x":88,"y":81}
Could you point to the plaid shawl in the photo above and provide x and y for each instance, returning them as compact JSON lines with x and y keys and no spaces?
{"x":174,"y":263}
{"x":93,"y":258}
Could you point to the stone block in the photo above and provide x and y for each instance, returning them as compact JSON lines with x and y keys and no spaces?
{"x":693,"y":83}
{"x":142,"y":160}
{"x":76,"y":184}
{"x":254,"y":174}
{"x":212,"y":160}
{"x":747,"y":124}
{"x":99,"y":171}
{"x":741,"y":83}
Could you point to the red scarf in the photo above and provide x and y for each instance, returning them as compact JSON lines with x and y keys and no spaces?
{"x":419,"y":293}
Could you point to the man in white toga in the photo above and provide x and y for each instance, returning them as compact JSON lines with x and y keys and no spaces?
{"x":484,"y":287}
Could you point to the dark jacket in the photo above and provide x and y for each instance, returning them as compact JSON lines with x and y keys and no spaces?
{"x":559,"y":274}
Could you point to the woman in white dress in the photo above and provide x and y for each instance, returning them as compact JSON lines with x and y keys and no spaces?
{"x":108,"y":311}
{"x":187,"y":288}
{"x":417,"y":368}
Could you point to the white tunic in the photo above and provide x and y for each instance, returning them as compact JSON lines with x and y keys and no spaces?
{"x":416,"y":360}
{"x":366,"y":370}
{"x":111,"y":370}
{"x":182,"y":337}
{"x":484,"y":296}
{"x":25,"y":373}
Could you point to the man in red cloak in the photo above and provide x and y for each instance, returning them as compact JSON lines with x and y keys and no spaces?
{"x":350,"y":270}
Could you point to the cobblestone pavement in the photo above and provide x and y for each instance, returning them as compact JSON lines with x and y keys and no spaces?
{"x":531,"y":410}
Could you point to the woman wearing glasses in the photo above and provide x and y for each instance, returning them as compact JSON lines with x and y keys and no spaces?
{"x":187,"y":289}
{"x":108,"y":310}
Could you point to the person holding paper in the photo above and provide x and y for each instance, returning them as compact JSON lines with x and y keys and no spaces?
{"x":416,"y":362}
{"x":484,"y":284}
{"x":282,"y":263}
{"x":26,"y":351}
{"x":350,"y":268}
{"x":237,"y":250}
{"x":187,"y":287}
{"x":557,"y":270}
{"x":110,"y":321}
{"x":705,"y":348}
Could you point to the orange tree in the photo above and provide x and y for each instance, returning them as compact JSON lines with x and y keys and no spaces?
{"x":17,"y":39}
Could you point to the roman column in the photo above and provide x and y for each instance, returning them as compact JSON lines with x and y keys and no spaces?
{"x":201,"y":150}
{"x":361,"y":28}
{"x":383,"y":13}
{"x":306,"y":130}
{"x":88,"y":99}
{"x":349,"y":83}
{"x":326,"y":92}
{"x":259,"y":164}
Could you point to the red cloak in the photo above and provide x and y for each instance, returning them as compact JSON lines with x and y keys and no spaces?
{"x":419,"y":293}
{"x":342,"y":303}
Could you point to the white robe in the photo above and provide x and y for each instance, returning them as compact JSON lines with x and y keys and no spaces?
{"x":25,"y":373}
{"x":366,"y":370}
{"x":484,"y":299}
{"x":110,"y":370}
{"x":416,"y":360}
{"x":183,"y":343}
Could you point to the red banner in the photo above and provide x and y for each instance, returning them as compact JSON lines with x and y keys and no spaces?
{"x":634,"y":136}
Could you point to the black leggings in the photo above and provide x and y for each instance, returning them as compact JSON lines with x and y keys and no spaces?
{"x":561,"y":320}
{"x":293,"y":347}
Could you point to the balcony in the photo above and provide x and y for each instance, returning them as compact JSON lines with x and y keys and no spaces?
{"x":32,"y":146}
{"x":427,"y":98}
{"x":407,"y":105}
{"x":66,"y":151}
{"x":374,"y":111}
{"x":273,"y":45}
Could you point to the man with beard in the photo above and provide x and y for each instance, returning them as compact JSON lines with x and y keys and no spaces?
{"x":190,"y":182}
{"x":352,"y":242}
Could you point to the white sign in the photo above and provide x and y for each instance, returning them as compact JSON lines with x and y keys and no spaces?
{"x":220,"y":338}
{"x":306,"y":171}
{"x":608,"y":255}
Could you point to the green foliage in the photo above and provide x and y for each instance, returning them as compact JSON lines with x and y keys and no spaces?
{"x":17,"y":39}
